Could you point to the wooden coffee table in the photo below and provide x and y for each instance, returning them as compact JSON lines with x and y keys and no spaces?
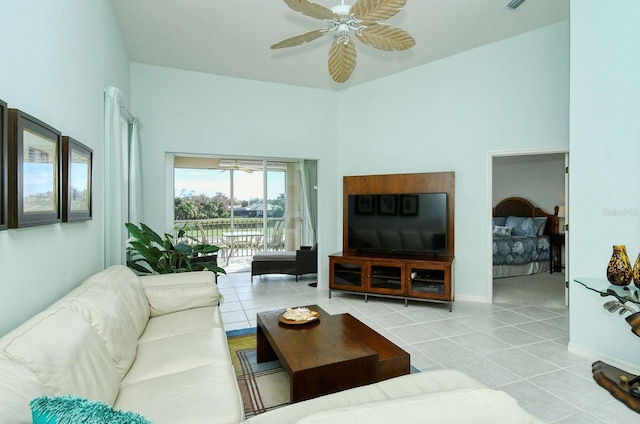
{"x":334,"y":353}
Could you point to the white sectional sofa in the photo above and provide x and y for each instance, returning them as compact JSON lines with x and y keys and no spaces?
{"x":155,"y":345}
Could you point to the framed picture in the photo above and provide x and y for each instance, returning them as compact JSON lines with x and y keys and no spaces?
{"x":3,"y":165}
{"x":33,"y":171}
{"x":409,"y":205}
{"x":387,"y":204}
{"x":77,"y":164}
{"x":364,"y":204}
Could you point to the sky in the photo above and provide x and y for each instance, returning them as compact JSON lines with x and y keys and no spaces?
{"x":211,"y":181}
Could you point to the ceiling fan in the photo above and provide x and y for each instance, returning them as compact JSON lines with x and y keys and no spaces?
{"x":247,"y":166}
{"x":342,"y":20}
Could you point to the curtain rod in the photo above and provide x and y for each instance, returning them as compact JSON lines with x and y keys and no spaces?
{"x":126,"y":113}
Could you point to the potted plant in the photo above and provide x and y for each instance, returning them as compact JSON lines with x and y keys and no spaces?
{"x":148,"y":253}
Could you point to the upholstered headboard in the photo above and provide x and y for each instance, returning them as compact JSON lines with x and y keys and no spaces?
{"x":517,"y":206}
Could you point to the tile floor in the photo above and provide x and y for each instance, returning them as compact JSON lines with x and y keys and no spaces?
{"x":521,"y":350}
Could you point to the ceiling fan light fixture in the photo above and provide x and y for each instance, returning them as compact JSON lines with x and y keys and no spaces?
{"x":363,"y":18}
{"x":514,"y":4}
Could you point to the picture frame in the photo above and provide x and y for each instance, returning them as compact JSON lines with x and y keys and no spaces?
{"x":77,"y":169}
{"x":3,"y":165}
{"x":387,"y":204}
{"x":34,"y":170}
{"x":409,"y":205}
{"x":364,"y":204}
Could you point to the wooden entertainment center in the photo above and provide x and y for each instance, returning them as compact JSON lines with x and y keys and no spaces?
{"x":409,"y":276}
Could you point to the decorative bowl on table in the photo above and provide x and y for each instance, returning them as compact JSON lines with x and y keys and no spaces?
{"x":299,"y":315}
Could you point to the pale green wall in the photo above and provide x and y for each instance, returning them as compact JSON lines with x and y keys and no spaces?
{"x":55,"y":59}
{"x":191,"y":112}
{"x":448,"y":116}
{"x":439,"y":117}
{"x":604,"y":170}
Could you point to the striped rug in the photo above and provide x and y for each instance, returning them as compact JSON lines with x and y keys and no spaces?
{"x":263,"y":386}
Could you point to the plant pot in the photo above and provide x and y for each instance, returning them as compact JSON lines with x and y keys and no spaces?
{"x":619,"y":271}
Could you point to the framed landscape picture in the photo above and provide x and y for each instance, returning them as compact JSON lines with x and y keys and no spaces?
{"x":34,"y":170}
{"x":77,"y":164}
{"x":3,"y":165}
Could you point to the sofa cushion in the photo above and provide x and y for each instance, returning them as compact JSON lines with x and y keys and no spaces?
{"x":72,"y":409}
{"x":65,"y":353}
{"x":18,"y":386}
{"x":108,"y":315}
{"x":178,"y":353}
{"x":181,"y":322}
{"x":274,"y":256}
{"x":480,"y":406}
{"x":202,"y":395}
{"x":175,"y":292}
{"x":126,"y":285}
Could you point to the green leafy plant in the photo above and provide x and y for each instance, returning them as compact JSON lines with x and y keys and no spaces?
{"x":148,"y":253}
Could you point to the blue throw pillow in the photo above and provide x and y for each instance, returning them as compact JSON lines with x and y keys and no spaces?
{"x":75,"y":410}
{"x":525,"y":226}
{"x":501,"y":230}
{"x":499,"y":220}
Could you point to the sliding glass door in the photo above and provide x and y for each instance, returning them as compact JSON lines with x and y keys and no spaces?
{"x":242,"y":205}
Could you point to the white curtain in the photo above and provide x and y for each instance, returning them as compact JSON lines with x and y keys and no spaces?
{"x":135,"y":172}
{"x":309,"y":170}
{"x":122,"y":176}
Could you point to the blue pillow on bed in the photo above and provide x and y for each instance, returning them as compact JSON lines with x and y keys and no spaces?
{"x":73,"y":410}
{"x":526,"y":226}
{"x":499,"y":221}
{"x":501,"y":231}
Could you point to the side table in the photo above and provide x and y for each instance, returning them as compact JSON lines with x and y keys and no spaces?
{"x":555,"y":255}
{"x":621,"y":384}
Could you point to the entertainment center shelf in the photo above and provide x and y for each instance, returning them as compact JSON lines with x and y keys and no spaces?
{"x":398,"y":237}
{"x":407,"y":277}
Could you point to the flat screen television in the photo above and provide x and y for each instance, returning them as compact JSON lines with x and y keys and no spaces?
{"x":398,"y":223}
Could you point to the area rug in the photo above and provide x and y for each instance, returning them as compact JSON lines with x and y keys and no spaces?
{"x":263,"y":386}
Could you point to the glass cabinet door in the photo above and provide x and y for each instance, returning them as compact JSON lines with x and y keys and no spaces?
{"x":427,"y":282}
{"x":386,"y":279}
{"x":347,"y":275}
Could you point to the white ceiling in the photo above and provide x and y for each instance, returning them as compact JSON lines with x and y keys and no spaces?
{"x":233,"y":37}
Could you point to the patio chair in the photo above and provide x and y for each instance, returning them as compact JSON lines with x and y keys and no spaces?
{"x":275,"y":241}
{"x":299,"y":262}
{"x":215,"y":240}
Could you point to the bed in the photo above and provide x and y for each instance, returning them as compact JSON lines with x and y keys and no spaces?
{"x":521,"y":238}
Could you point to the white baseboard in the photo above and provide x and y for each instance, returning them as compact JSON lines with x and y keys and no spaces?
{"x":596,"y":356}
{"x":477,"y":299}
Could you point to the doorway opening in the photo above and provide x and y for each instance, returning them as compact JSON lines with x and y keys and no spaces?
{"x":540,"y":177}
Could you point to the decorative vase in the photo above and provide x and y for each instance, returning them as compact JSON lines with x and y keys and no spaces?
{"x":619,"y":270}
{"x":636,"y":272}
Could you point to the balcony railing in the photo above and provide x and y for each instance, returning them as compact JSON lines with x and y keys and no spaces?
{"x":244,"y":239}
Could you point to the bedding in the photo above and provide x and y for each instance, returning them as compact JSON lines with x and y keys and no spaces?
{"x":521,"y":238}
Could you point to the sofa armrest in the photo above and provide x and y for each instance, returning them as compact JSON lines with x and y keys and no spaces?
{"x":168,"y":293}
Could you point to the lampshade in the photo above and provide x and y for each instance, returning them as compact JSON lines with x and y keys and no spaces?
{"x":562,"y":212}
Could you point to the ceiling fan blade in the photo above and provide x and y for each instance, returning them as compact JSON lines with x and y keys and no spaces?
{"x":385,"y":37}
{"x":342,"y":58}
{"x":309,"y":8}
{"x":376,"y":10}
{"x":296,"y":40}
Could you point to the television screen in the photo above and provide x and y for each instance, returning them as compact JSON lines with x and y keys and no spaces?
{"x":402,"y":223}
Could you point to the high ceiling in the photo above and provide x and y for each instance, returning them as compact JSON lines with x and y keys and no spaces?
{"x":233,"y":37}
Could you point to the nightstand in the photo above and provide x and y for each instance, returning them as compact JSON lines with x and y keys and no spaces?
{"x":555,"y":255}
